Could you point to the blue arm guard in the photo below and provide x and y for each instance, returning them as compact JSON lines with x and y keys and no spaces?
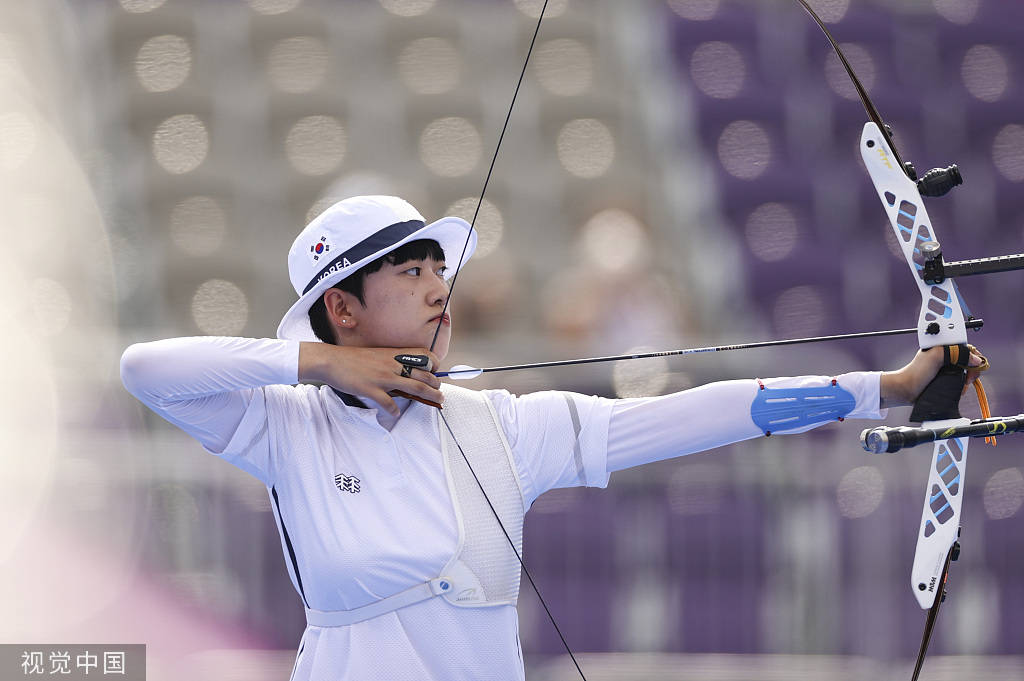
{"x":787,"y":408}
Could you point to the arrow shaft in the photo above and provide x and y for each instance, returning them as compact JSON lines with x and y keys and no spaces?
{"x":974,"y":324}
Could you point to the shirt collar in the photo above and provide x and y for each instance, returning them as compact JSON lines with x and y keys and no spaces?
{"x":350,"y":400}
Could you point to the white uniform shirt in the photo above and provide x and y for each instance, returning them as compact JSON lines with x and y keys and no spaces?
{"x":345,"y":549}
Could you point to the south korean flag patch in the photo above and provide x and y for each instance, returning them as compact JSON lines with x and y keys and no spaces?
{"x":320,"y":248}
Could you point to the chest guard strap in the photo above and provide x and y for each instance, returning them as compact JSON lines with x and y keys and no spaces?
{"x":484,"y":571}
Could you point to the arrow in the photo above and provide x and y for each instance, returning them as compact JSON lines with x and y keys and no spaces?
{"x":464,"y":372}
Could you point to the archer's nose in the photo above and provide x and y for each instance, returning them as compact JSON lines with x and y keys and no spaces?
{"x":438,"y":292}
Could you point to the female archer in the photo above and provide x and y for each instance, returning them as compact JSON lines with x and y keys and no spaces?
{"x":399,"y":558}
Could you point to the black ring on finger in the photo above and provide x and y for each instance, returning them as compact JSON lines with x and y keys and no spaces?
{"x":406,"y":371}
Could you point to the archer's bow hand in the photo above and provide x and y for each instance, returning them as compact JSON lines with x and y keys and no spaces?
{"x":903,"y":386}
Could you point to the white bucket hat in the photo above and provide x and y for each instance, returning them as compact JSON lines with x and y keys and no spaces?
{"x":352,"y":233}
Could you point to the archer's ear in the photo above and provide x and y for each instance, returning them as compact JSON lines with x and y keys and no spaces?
{"x":339,"y":305}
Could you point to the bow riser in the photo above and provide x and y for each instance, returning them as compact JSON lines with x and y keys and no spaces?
{"x":940,"y":303}
{"x":941,"y":322}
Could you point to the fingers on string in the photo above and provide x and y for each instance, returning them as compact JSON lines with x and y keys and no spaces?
{"x":420,"y":387}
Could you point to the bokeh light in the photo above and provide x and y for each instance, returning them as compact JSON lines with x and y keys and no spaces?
{"x":957,"y":11}
{"x":532,"y":8}
{"x":718,"y":69}
{"x":430,"y":66}
{"x":450,"y":147}
{"x":140,"y":6}
{"x":585,"y":147}
{"x":272,"y":7}
{"x":985,"y":72}
{"x":197,"y":225}
{"x":799,"y":312}
{"x":407,"y":8}
{"x":564,"y":67}
{"x":297,"y":64}
{"x":489,"y":225}
{"x":615,"y":241}
{"x":831,"y":11}
{"x":315,"y":145}
{"x":860,"y":492}
{"x":180,"y":143}
{"x":220,"y":308}
{"x":1008,"y":152}
{"x":163,"y":63}
{"x":1004,"y":493}
{"x":863,"y":65}
{"x":694,"y":10}
{"x":744,"y":149}
{"x":640,"y":377}
{"x":771,"y":232}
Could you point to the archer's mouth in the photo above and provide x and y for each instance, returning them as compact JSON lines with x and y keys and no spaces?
{"x":445,"y":319}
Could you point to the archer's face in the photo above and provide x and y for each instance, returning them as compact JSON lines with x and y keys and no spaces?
{"x":403,"y":304}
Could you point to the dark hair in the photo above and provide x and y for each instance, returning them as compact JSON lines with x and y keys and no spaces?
{"x":421,"y":249}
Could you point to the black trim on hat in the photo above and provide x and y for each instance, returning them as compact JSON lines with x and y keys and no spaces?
{"x":377,"y":241}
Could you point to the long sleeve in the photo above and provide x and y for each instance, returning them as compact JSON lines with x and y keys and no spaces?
{"x":206,"y":385}
{"x":643,"y":430}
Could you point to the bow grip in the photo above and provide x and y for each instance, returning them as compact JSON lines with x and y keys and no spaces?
{"x":940,"y":399}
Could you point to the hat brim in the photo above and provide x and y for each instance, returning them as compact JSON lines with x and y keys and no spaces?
{"x":449,"y":232}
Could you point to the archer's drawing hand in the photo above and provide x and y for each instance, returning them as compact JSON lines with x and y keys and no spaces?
{"x":369,"y":372}
{"x":901,"y":387}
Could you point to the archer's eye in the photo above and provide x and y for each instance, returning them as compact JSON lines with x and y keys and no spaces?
{"x":441,"y":271}
{"x":414,"y":271}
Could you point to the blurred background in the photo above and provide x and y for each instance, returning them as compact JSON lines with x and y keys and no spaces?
{"x":676,"y":173}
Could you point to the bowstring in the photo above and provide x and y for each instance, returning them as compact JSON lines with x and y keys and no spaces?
{"x":440,"y":321}
{"x":487,"y":180}
{"x":513,"y":545}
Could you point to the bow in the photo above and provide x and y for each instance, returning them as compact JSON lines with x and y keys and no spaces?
{"x":943,"y":321}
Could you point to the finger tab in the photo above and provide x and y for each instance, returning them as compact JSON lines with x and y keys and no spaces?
{"x":413,"y":361}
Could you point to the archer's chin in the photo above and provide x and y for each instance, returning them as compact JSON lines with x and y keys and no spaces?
{"x":443,"y":345}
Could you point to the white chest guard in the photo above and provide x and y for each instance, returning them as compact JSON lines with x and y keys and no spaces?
{"x":484,"y":571}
